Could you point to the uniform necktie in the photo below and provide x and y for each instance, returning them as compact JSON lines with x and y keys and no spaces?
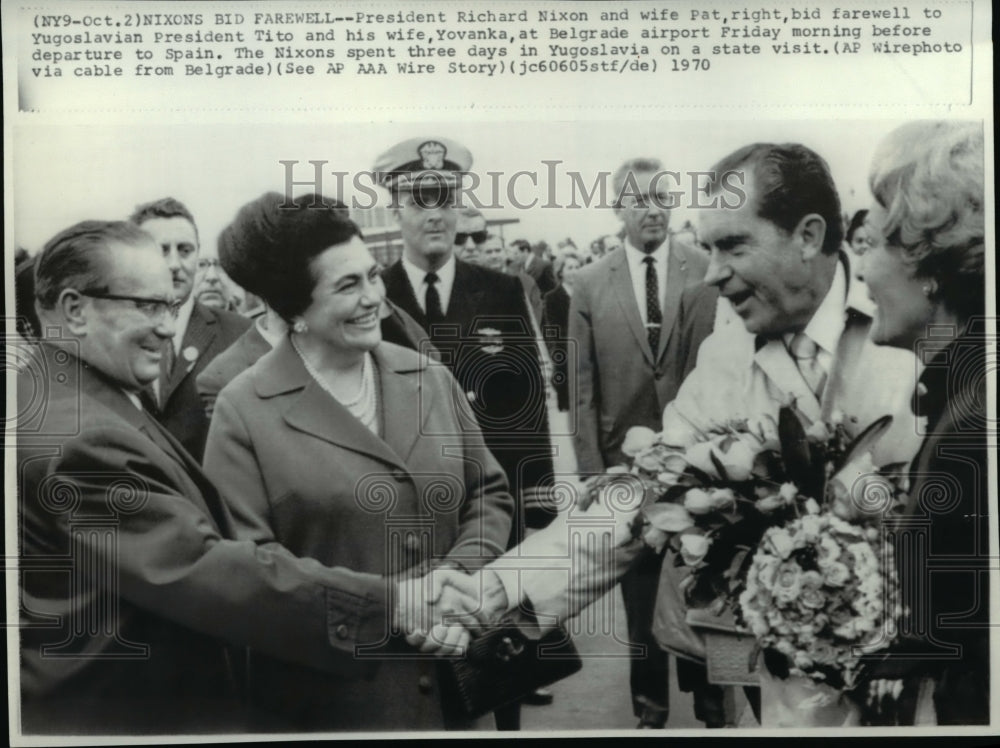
{"x":806,"y":354}
{"x":432,"y":301}
{"x":654,"y":316}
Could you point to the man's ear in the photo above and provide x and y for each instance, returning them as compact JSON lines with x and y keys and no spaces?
{"x":811,"y":231}
{"x":73,"y":310}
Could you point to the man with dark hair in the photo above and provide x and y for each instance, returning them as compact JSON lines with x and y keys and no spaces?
{"x":792,"y":330}
{"x":130,"y":585}
{"x":201,"y":332}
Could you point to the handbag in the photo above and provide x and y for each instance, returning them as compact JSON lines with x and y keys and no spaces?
{"x":503,"y":665}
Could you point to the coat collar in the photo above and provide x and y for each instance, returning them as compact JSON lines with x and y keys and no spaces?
{"x":404,"y":403}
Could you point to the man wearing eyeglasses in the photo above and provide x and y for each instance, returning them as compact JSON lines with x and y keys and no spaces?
{"x":210,"y":284}
{"x":201,"y":332}
{"x":632,"y":358}
{"x":129,"y":582}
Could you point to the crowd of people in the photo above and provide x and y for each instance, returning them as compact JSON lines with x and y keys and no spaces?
{"x":286,"y":485}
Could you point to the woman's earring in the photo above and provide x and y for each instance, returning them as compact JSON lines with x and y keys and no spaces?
{"x":301,"y":327}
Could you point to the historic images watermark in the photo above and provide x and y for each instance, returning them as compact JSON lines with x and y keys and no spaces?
{"x":544,"y":187}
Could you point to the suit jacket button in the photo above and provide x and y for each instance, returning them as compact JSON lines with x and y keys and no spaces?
{"x":424,"y":684}
{"x":342,"y":631}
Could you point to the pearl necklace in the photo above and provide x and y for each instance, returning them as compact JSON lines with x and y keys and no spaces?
{"x":364,"y":406}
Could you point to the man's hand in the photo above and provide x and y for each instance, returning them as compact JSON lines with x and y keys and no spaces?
{"x":436,"y":611}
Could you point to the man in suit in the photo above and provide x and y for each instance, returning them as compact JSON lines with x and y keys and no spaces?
{"x":201,"y":333}
{"x":130,"y":585}
{"x":775,"y":257}
{"x":536,"y":265}
{"x":625,"y":309}
{"x":477,"y":319}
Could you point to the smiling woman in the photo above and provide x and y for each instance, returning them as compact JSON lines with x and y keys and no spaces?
{"x":350,"y":450}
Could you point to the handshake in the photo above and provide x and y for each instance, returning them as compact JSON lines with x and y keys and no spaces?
{"x":440,"y":613}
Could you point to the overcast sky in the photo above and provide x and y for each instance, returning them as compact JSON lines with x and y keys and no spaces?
{"x":64,"y":174}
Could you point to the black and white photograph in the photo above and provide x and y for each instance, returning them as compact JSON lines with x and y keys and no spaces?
{"x":366,"y":417}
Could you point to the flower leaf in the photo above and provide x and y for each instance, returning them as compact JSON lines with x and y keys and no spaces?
{"x":864,"y":441}
{"x":795,"y":448}
{"x":719,"y":467}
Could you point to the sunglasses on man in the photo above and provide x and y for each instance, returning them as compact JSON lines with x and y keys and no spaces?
{"x":478,"y":237}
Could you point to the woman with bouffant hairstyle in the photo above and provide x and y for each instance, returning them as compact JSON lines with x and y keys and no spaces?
{"x":925,"y":273}
{"x":353,"y":451}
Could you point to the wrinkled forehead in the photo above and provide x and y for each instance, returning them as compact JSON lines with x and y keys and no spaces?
{"x":172,"y":230}
{"x":137,"y":269}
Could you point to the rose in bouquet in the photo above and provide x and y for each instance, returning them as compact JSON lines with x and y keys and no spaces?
{"x":820,"y":593}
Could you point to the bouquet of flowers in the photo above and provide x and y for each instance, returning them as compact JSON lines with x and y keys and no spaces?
{"x":714,"y":502}
{"x":820,"y":592}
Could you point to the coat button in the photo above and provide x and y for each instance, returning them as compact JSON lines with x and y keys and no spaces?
{"x":342,"y":631}
{"x":424,"y":684}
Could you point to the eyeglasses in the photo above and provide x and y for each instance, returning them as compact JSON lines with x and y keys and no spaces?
{"x":477,"y":236}
{"x":661,"y":201}
{"x":155,"y":309}
{"x":208,"y":262}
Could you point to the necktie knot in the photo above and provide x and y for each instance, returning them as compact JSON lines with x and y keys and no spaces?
{"x":431,"y":279}
{"x":806,"y":354}
{"x":803,"y":348}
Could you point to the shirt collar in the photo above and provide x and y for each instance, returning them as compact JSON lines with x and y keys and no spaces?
{"x":133,"y":398}
{"x":827,"y":323}
{"x":636,"y":256}
{"x":446,"y":279}
{"x":183,"y":318}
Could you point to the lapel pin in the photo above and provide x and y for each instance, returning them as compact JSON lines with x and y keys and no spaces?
{"x":190,"y":354}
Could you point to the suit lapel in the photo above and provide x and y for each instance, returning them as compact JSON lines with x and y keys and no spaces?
{"x":464,"y":303}
{"x":405,"y":404}
{"x":849,"y":349}
{"x":676,"y":283}
{"x":112,"y":397}
{"x":201,"y":331}
{"x":777,"y":364}
{"x":312,"y":410}
{"x":399,"y":290}
{"x":621,"y":282}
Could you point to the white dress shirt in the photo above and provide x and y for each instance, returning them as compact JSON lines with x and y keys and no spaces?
{"x":827,"y":323}
{"x":446,"y":279}
{"x":637,"y":271}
